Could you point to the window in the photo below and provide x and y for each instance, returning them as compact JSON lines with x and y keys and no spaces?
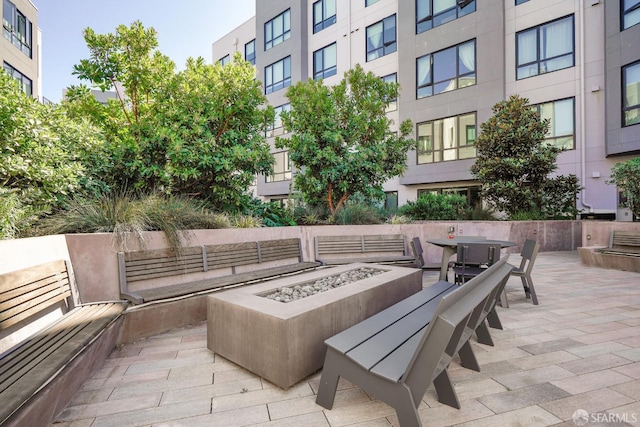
{"x":277,"y":75}
{"x":381,"y":38}
{"x":390,"y":201}
{"x":16,"y":27}
{"x":225,"y":60}
{"x":446,"y":70}
{"x":521,"y":1}
{"x":369,"y":2}
{"x":561,"y":122}
{"x":277,"y":30}
{"x":25,"y":82}
{"x":324,"y":62}
{"x":250,"y":52}
{"x":630,"y":13}
{"x":324,"y":14}
{"x":276,"y":128}
{"x":545,"y":48}
{"x":393,"y":104}
{"x":432,"y":13}
{"x":631,"y":94}
{"x":451,"y":138}
{"x":281,"y":168}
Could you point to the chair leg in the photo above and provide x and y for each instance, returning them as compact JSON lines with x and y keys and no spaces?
{"x":328,"y":381}
{"x":525,"y":286}
{"x":406,"y":412}
{"x":445,"y":391}
{"x":468,"y":358}
{"x":493,"y":319}
{"x":503,"y":299}
{"x":483,"y":335}
{"x":532,"y":290}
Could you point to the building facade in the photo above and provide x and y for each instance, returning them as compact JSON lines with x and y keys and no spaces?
{"x":20,"y":44}
{"x":577,"y":61}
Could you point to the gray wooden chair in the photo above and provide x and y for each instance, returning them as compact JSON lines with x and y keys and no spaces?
{"x":529,"y":254}
{"x":474,"y":258}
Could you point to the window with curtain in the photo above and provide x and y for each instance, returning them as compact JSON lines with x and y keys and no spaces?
{"x":25,"y":82}
{"x":16,"y":27}
{"x":250,"y":52}
{"x":381,"y":38}
{"x":545,"y":48}
{"x":391,"y":78}
{"x":432,"y":13}
{"x":225,"y":60}
{"x":324,"y":62}
{"x":446,"y":70}
{"x":561,"y":118}
{"x":630,"y":13}
{"x":277,"y":75}
{"x":450,"y":138}
{"x":281,"y":168}
{"x":324,"y":14}
{"x":631,"y":94}
{"x":277,"y":30}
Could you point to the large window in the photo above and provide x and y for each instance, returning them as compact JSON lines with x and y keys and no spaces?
{"x":225,"y":60}
{"x":369,"y":2}
{"x":451,"y":138}
{"x":277,"y":75}
{"x":250,"y":52}
{"x":446,"y":70}
{"x":521,"y":1}
{"x":546,"y":48}
{"x":561,"y":122}
{"x":277,"y":30}
{"x":25,"y":82}
{"x":630,"y":13}
{"x":324,"y":14}
{"x":631,"y":94}
{"x":281,"y":167}
{"x":16,"y":27}
{"x":393,"y":104}
{"x":324,"y":62}
{"x":431,"y":13}
{"x":276,"y":128}
{"x":381,"y":38}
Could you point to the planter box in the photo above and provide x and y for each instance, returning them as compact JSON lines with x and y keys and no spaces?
{"x":284,"y":342}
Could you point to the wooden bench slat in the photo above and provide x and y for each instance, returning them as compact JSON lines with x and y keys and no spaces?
{"x":357,"y":334}
{"x":383,"y":249}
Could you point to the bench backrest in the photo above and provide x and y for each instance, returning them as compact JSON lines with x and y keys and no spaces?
{"x":151,"y":264}
{"x":26,"y":292}
{"x":458,"y":314}
{"x":624,"y":238}
{"x":363,"y":244}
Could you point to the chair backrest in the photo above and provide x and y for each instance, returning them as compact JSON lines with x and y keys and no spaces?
{"x":478,"y":253}
{"x":416,"y":248}
{"x":529,"y":254}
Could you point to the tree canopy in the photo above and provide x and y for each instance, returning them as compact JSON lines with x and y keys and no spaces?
{"x":514,"y":164}
{"x":197,"y":132}
{"x":626,"y":175}
{"x":341,"y":142}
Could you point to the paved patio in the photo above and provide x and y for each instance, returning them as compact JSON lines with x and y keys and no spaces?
{"x":578,"y":350}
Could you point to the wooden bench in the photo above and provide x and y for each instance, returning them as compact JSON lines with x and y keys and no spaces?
{"x":623,"y":243}
{"x":40,"y":374}
{"x":379,"y":248}
{"x":135,"y":266}
{"x":396,"y":354}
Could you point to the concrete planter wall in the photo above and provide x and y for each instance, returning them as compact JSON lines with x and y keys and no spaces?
{"x":93,"y":256}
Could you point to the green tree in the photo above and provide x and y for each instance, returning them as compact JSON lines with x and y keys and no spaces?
{"x":40,"y":153}
{"x":514,"y":163}
{"x":626,"y":175}
{"x":341,"y":143}
{"x":198,"y":132}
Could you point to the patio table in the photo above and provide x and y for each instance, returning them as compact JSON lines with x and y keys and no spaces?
{"x":449,"y":248}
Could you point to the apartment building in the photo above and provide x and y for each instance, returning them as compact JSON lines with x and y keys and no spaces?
{"x":577,"y":61}
{"x":20,"y":44}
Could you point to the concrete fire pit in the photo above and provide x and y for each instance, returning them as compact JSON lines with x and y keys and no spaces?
{"x":284,"y":342}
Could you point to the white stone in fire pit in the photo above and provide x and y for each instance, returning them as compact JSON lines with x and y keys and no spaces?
{"x":284,"y":343}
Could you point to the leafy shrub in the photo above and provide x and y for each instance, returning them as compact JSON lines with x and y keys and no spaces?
{"x":532,"y":215}
{"x":272,"y":214}
{"x":398,"y":219}
{"x":357,"y":213}
{"x":15,"y":217}
{"x":246,"y":221}
{"x":431,"y":206}
{"x":626,"y":175}
{"x":480,"y":213}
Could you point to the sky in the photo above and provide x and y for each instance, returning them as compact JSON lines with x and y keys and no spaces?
{"x":186,"y":28}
